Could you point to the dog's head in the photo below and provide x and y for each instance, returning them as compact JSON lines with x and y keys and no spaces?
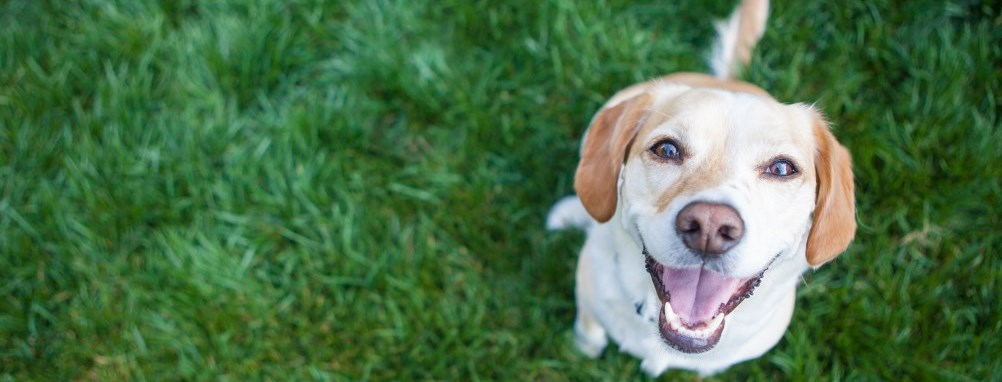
{"x":717,"y":187}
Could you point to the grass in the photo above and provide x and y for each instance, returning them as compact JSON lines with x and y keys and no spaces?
{"x":355,"y":190}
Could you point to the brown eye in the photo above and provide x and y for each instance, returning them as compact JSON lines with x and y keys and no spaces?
{"x":781,"y":168}
{"x":667,"y":150}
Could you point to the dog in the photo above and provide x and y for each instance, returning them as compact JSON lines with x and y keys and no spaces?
{"x":704,"y":200}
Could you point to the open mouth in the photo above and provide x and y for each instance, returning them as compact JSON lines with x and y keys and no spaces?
{"x":696,"y":302}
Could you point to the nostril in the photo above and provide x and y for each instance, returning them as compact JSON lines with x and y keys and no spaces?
{"x":691,"y":226}
{"x":729,"y":233}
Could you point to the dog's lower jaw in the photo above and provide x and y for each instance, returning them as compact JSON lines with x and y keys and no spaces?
{"x":749,"y":335}
{"x":695,"y":336}
{"x":686,"y":340}
{"x":611,"y":281}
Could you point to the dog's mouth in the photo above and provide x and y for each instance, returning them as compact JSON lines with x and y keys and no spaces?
{"x":695,"y":303}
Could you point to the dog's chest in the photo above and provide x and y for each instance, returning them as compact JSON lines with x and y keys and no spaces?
{"x":624,"y":287}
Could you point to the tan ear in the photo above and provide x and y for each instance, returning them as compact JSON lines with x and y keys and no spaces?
{"x":603,"y":154}
{"x":835,"y":209}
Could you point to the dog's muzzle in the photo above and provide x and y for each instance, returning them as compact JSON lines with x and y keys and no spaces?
{"x":695,"y":303}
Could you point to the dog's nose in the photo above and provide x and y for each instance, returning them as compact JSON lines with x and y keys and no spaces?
{"x":709,"y":229}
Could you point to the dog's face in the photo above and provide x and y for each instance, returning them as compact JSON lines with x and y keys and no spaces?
{"x":718,"y":188}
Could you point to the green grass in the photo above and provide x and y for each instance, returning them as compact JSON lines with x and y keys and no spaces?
{"x":352,"y":190}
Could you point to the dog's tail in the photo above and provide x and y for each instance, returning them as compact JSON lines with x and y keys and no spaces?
{"x":737,"y":36}
{"x":568,"y":213}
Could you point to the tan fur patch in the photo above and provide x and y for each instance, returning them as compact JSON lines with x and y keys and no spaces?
{"x":691,"y":183}
{"x":698,"y":80}
{"x":603,"y":153}
{"x":753,"y":15}
{"x":835,"y":211}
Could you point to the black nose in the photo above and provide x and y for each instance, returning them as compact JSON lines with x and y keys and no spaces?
{"x":709,"y":229}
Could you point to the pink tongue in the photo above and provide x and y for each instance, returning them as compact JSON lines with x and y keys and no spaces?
{"x":696,"y":293}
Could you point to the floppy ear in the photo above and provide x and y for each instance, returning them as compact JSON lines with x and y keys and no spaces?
{"x":603,"y":154}
{"x":835,"y":209}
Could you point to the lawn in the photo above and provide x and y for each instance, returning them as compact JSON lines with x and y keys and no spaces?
{"x":356,"y":190}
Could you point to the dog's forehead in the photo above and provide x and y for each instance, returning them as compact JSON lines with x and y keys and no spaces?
{"x":706,"y":117}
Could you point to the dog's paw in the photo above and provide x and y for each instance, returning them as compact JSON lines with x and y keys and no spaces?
{"x":588,"y":347}
{"x":653,"y":367}
{"x":590,"y":341}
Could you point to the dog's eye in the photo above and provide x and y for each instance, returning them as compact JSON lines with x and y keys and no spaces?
{"x":781,"y":168}
{"x":667,"y":150}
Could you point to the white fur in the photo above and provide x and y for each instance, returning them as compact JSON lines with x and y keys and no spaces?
{"x":722,"y":63}
{"x":612,"y":281}
{"x":568,"y":213}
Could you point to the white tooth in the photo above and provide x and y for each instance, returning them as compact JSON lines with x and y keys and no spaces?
{"x":715,"y":322}
{"x":676,"y":324}
{"x":671,"y":316}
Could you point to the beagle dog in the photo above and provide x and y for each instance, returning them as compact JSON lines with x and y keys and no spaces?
{"x":704,"y":200}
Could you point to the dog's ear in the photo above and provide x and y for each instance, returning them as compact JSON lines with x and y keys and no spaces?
{"x":603,"y":153}
{"x":835,"y":209}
